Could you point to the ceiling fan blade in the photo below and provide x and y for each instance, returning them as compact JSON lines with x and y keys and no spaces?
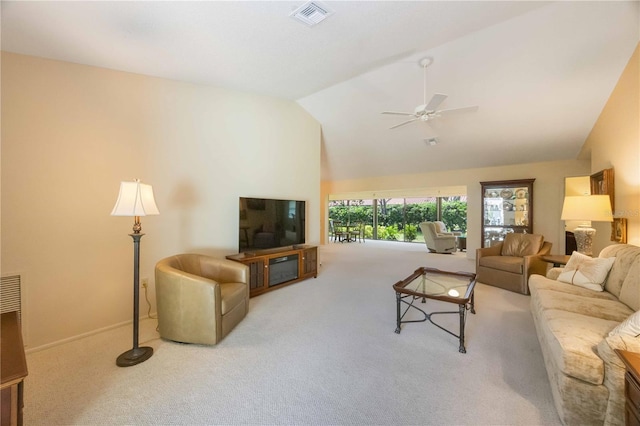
{"x":455,"y":110}
{"x":435,"y":102}
{"x":403,"y":123}
{"x":397,"y":113}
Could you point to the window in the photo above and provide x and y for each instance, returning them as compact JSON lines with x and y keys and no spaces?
{"x":398,"y":219}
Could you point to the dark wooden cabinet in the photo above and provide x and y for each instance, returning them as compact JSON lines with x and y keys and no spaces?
{"x":507,"y":206}
{"x":310,"y":262}
{"x":275,"y":268}
{"x":631,"y":387}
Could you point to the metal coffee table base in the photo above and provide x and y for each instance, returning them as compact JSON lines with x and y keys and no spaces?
{"x":462,"y":311}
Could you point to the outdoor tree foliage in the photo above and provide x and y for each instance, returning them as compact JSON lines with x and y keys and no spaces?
{"x":397,"y":221}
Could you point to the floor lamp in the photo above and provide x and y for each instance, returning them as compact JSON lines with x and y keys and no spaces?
{"x":135,"y":199}
{"x":589,"y":208}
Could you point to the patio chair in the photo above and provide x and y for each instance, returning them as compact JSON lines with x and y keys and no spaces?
{"x":357,"y":233}
{"x":337,"y":230}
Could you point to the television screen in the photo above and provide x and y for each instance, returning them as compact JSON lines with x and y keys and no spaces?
{"x":267,"y":223}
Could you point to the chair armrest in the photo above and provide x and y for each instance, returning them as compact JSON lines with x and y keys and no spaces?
{"x":545,"y":249}
{"x":443,"y":237}
{"x":489,"y":251}
{"x":534,"y":264}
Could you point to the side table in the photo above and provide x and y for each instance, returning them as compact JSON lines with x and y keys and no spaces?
{"x":461,"y":242}
{"x":631,"y":360}
{"x":556,"y":259}
{"x":13,"y":369}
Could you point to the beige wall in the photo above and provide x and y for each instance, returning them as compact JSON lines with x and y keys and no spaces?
{"x":548,"y":193}
{"x":614,"y":142}
{"x":71,"y":133}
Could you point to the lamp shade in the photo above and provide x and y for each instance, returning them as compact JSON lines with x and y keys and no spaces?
{"x":596,"y":208}
{"x":135,"y":199}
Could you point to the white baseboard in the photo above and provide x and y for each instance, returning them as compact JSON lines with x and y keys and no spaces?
{"x":82,"y":336}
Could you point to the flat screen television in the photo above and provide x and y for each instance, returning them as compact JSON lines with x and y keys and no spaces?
{"x":267,"y":223}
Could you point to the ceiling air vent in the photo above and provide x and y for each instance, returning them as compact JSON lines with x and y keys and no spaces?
{"x":312,"y":13}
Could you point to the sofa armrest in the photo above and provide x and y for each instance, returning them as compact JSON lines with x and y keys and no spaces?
{"x":554,"y":273}
{"x":615,"y":370}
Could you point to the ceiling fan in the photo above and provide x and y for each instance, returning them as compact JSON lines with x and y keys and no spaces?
{"x":428,"y":111}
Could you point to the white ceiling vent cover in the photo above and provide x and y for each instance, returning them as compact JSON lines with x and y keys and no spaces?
{"x":312,"y":13}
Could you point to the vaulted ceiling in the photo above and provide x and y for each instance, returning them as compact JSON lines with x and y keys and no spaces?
{"x":539,"y":72}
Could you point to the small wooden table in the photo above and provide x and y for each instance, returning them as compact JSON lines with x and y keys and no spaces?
{"x":556,"y":259}
{"x":631,"y":386}
{"x":13,"y":369}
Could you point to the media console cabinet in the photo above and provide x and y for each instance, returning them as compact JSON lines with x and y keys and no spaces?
{"x":275,"y":268}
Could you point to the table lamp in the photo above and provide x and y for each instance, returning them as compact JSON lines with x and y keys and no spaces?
{"x":135,"y":199}
{"x":587,"y":208}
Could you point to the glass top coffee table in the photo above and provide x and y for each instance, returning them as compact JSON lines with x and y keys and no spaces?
{"x":430,"y":283}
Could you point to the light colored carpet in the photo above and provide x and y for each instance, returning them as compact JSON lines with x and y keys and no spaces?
{"x":321,"y":352}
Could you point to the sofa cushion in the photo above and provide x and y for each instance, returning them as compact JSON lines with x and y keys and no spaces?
{"x":521,"y":244}
{"x":611,"y":310}
{"x":629,"y":327}
{"x":585,"y":271}
{"x":504,"y":263}
{"x":538,"y":282}
{"x":572,"y":340}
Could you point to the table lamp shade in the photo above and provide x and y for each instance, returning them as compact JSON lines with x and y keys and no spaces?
{"x":596,"y":208}
{"x":135,"y":199}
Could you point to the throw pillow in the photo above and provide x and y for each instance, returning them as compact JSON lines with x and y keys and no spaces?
{"x":630,"y":326}
{"x":587,"y":272}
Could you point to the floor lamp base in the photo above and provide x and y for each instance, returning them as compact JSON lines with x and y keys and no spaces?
{"x":134,"y":356}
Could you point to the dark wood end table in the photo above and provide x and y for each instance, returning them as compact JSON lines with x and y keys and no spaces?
{"x":13,"y":368}
{"x":631,"y":361}
{"x":556,"y":259}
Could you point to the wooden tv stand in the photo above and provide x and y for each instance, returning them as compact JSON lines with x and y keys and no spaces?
{"x":267,"y":271}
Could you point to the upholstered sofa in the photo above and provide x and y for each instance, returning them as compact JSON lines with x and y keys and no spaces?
{"x":579,"y":328}
{"x":437,"y":239}
{"x":509,"y":263}
{"x":200,"y":298}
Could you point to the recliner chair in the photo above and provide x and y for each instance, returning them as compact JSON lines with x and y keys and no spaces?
{"x":509,"y":263}
{"x":436,"y":240}
{"x":200,"y":298}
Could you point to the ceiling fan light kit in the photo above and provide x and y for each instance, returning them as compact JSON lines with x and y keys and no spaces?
{"x":428,"y":110}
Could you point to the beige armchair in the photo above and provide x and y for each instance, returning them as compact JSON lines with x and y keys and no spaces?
{"x":509,"y":264}
{"x":200,"y":298}
{"x":436,"y":240}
